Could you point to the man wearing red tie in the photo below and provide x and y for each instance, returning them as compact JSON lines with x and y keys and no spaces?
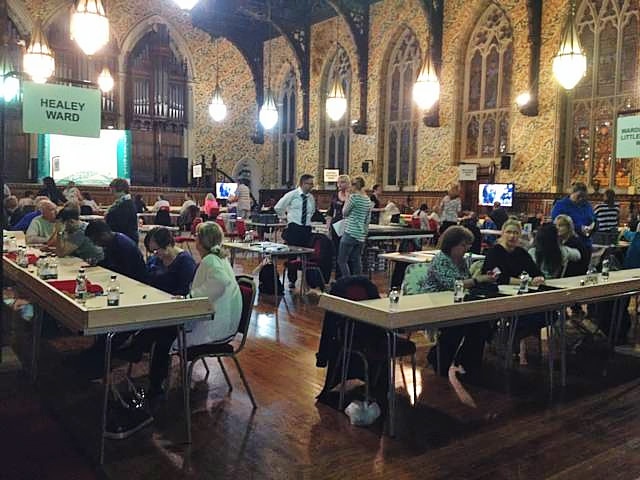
{"x":297,"y":206}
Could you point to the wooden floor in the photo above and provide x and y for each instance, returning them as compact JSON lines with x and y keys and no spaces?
{"x":509,"y":425}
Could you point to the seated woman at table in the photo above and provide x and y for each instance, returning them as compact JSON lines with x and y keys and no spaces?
{"x":568,"y":237}
{"x":69,"y":238}
{"x":138,"y":201}
{"x":210,"y":207}
{"x":161,"y":202}
{"x":88,"y":201}
{"x":174,"y":268}
{"x":462,"y":345}
{"x":214,"y":279}
{"x":549,"y":254}
{"x":512,"y":260}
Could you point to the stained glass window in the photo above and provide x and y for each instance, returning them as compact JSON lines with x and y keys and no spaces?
{"x":485,"y":132}
{"x":336,"y":134}
{"x":287,"y":119}
{"x":609,"y":33}
{"x":401,"y":115}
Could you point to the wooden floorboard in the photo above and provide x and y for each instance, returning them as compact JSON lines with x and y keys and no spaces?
{"x":517,"y":429}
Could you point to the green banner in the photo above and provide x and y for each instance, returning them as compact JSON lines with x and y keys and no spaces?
{"x":628,"y":137}
{"x":61,"y":109}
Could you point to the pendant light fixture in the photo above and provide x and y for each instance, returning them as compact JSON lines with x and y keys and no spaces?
{"x":105,"y":80}
{"x":186,"y":4}
{"x":217,"y":108}
{"x":38,"y":61}
{"x":89,"y":26}
{"x":9,"y":83}
{"x":570,"y":63}
{"x":268,"y":115}
{"x":426,"y":90}
{"x":336,"y":104}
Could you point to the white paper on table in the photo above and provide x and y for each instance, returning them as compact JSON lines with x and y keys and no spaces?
{"x":339,"y":227}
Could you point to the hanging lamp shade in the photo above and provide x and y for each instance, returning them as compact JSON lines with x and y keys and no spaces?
{"x":38,"y":61}
{"x":217,"y":108}
{"x":89,"y":26}
{"x":186,"y":4}
{"x":105,"y":80}
{"x":9,"y":84}
{"x":570,"y":63}
{"x":268,"y":112}
{"x":426,"y":90}
{"x":336,"y":105}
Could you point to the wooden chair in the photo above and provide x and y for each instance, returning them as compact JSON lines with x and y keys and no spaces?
{"x":228,"y":349}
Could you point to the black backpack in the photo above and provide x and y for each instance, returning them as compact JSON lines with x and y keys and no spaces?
{"x":265,"y":279}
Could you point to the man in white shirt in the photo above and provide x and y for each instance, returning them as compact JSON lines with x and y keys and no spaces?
{"x":41,"y":227}
{"x":297,"y":206}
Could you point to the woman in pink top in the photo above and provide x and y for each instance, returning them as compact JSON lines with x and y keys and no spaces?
{"x":210,"y":205}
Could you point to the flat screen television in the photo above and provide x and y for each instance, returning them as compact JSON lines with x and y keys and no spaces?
{"x":225,"y":189}
{"x":488,"y":193}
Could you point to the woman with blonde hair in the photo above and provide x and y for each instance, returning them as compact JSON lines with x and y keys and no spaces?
{"x":210,"y":206}
{"x":450,"y":207}
{"x":568,"y":238}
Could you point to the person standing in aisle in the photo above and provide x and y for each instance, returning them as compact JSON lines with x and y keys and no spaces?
{"x":334,"y":214}
{"x":297,"y":206}
{"x":450,"y":207}
{"x":357,"y":214}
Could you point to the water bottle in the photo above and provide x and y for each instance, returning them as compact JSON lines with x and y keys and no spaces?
{"x":592,"y":276}
{"x":40,"y":265}
{"x":53,"y":267}
{"x":458,"y":291}
{"x":13,"y":244}
{"x":394,"y":298}
{"x":524,"y":282}
{"x":113,"y":292}
{"x":605,"y":270}
{"x":23,"y":260}
{"x":81,"y":286}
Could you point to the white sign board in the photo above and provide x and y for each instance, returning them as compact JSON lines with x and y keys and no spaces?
{"x":468,"y":172}
{"x":197,"y":171}
{"x":331,"y":174}
{"x":628,"y":137}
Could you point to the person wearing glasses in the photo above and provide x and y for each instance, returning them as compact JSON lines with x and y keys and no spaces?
{"x":297,"y":206}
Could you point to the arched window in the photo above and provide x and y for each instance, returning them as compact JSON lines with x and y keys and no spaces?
{"x":610,"y":36}
{"x":16,"y":165}
{"x":400,"y":114}
{"x":287,"y":118}
{"x":489,"y":63}
{"x":156,"y":99}
{"x":335,"y":152}
{"x":72,"y":63}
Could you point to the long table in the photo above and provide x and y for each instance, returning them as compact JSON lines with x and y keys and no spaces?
{"x":437,"y":310}
{"x":275,"y":251}
{"x":141,"y":307}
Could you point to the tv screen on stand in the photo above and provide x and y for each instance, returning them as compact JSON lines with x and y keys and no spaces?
{"x":225,"y":189}
{"x":489,"y":193}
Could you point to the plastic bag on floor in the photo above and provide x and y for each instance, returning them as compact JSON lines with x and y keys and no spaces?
{"x":362,"y":413}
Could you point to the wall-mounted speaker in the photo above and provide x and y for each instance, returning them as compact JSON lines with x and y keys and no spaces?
{"x":505,"y":162}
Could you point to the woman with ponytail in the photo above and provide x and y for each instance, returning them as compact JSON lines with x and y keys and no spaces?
{"x":215,"y":280}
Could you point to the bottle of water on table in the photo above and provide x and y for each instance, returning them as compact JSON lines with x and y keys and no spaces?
{"x":394,"y":298}
{"x":605,"y":270}
{"x":458,"y":291}
{"x":113,"y":292}
{"x":81,"y":286}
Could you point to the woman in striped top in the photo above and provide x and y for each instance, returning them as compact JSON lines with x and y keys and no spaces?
{"x":357,"y":213}
{"x":607,"y":219}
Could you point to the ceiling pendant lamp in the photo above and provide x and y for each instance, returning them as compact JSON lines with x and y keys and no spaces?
{"x":217,"y":108}
{"x":570,"y":63}
{"x":89,"y":26}
{"x":426,"y":90}
{"x":336,"y":105}
{"x":186,"y":4}
{"x":105,"y":80}
{"x":268,"y":113}
{"x":38,"y":61}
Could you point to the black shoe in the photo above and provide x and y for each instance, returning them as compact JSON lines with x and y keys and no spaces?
{"x":122,"y":422}
{"x":320,"y":362}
